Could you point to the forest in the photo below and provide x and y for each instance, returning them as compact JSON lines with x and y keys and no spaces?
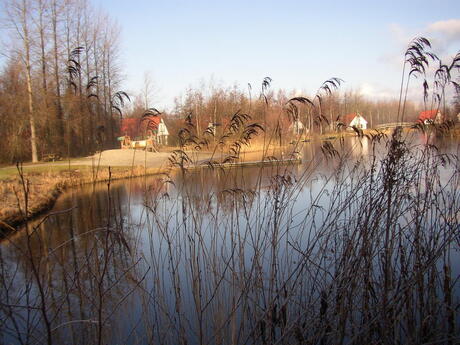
{"x":62,"y":92}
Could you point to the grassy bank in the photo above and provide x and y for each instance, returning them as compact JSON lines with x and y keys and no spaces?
{"x":41,"y":186}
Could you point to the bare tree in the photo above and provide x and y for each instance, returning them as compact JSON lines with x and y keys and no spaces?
{"x":56,"y":7}
{"x":19,"y":15}
{"x":42,"y":6}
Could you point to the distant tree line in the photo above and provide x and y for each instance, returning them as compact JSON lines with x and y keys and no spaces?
{"x":215,"y":106}
{"x":61,"y":78}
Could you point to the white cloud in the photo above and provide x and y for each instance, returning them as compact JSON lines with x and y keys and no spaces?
{"x":395,"y":57}
{"x":448,"y":28}
{"x":400,"y":34}
{"x":376,"y":91}
{"x":444,"y":36}
{"x":366,"y":89}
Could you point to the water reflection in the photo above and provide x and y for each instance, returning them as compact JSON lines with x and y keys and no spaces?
{"x":241,"y":255}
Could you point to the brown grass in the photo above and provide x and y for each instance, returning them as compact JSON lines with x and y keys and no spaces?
{"x":45,"y":188}
{"x":47,"y":183}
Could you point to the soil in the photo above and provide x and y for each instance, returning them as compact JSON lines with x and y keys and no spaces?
{"x":127,"y":158}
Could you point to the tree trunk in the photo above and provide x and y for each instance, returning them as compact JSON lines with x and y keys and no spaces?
{"x":42,"y":51}
{"x":59,"y":111}
{"x":33,"y":138}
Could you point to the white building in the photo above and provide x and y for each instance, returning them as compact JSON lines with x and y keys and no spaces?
{"x":355,"y":120}
{"x":162,"y":133}
{"x":297,"y":127}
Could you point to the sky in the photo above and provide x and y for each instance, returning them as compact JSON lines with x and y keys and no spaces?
{"x":299,"y":44}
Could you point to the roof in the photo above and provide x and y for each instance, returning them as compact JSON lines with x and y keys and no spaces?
{"x":346,"y":119}
{"x":135,"y":127}
{"x":428,"y":115}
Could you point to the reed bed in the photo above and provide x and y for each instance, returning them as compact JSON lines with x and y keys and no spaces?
{"x":366,"y":258}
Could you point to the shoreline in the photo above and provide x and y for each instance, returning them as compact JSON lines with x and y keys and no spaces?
{"x":12,"y":220}
{"x":52,"y":179}
{"x":46,"y":187}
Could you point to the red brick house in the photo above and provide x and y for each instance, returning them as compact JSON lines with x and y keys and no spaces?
{"x":143,"y":132}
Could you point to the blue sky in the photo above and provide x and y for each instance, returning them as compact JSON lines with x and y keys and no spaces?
{"x":299,"y":44}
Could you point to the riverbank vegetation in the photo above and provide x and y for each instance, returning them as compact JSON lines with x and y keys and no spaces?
{"x":47,"y":181}
{"x":45,"y":184}
{"x":60,"y":82}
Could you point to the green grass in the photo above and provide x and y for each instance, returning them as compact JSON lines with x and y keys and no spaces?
{"x":12,"y":171}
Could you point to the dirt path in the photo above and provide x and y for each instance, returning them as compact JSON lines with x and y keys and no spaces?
{"x":118,"y":158}
{"x":126,"y":158}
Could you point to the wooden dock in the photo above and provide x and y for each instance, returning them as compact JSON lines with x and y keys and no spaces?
{"x":269,"y":162}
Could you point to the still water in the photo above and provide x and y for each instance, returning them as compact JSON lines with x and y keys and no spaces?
{"x":243,"y":255}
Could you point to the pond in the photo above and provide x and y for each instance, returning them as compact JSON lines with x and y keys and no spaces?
{"x":355,"y":244}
